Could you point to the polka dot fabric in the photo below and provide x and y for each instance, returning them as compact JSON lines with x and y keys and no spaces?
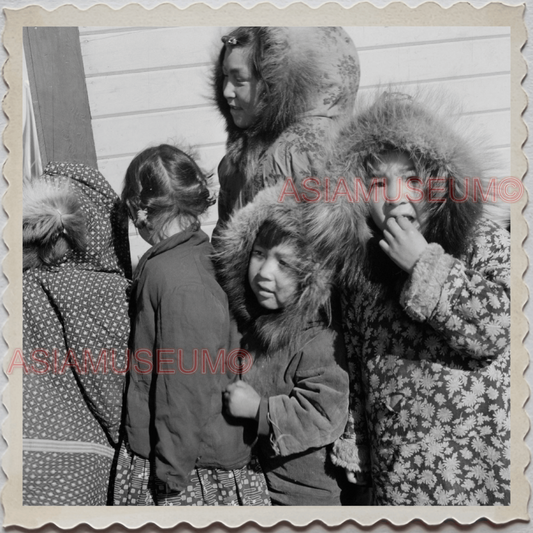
{"x":75,"y":335}
{"x":54,"y":478}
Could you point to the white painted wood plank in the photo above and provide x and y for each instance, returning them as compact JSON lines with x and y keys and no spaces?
{"x":381,"y":36}
{"x":149,"y":90}
{"x":434,"y":61}
{"x":494,"y":127}
{"x":133,"y":133}
{"x":141,"y":49}
{"x":99,"y":30}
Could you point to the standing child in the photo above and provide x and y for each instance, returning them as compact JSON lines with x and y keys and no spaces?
{"x":284,"y":93}
{"x":186,"y":451}
{"x":75,"y":309}
{"x":297,"y":388}
{"x":426,"y":310}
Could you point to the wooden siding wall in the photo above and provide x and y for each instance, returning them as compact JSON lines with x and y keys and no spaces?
{"x":151,"y":85}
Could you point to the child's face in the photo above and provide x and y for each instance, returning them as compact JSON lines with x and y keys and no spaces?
{"x":271,"y":275}
{"x":240,"y":87}
{"x":393,"y":174}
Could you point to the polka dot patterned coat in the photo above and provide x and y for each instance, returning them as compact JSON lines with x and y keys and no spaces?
{"x":75,"y":334}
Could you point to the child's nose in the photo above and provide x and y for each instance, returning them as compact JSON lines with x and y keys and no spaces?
{"x":395,"y":191}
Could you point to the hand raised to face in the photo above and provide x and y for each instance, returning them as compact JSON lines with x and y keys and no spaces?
{"x":402,"y":242}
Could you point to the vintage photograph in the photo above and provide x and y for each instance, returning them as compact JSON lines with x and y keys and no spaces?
{"x":267,"y":265}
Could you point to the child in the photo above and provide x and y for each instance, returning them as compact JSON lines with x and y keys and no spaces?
{"x":174,"y":419}
{"x":297,"y":388}
{"x":284,"y":94}
{"x":426,"y":311}
{"x":75,"y":305}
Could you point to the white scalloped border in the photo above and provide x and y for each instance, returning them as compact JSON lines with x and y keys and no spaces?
{"x":263,"y":14}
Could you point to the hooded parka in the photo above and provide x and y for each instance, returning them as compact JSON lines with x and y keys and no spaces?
{"x":75,"y":330}
{"x":428,"y":352}
{"x":308,"y":82}
{"x":298,"y":359}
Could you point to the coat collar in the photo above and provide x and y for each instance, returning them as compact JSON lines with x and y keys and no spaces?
{"x":192,"y":236}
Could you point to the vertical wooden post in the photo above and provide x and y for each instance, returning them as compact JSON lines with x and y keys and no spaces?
{"x":59,"y":94}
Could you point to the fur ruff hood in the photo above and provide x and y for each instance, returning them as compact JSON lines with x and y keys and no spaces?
{"x":72,"y":215}
{"x":282,"y":328}
{"x":305,"y":72}
{"x":426,"y":127}
{"x":311,"y":71}
{"x":53,"y":223}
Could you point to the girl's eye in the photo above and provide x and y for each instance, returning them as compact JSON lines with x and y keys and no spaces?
{"x":257,"y":253}
{"x":377,"y":183}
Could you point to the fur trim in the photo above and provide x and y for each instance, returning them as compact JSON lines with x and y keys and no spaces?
{"x":305,"y":72}
{"x":348,"y":455}
{"x":298,"y":67}
{"x":53,"y":223}
{"x":426,"y":127}
{"x":337,"y":227}
{"x":421,"y":294}
{"x":281,"y":328}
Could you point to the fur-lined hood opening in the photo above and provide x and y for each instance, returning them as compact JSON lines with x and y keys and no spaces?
{"x":71,"y":214}
{"x":53,"y":223}
{"x":426,"y":127}
{"x":282,"y":328}
{"x":304,"y":72}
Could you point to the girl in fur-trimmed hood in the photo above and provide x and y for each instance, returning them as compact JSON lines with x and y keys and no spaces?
{"x":297,"y":388}
{"x":426,"y":311}
{"x":284,"y":94}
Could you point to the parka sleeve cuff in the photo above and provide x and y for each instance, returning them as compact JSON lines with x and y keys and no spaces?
{"x":422,"y":290}
{"x":263,"y":422}
{"x":351,"y":456}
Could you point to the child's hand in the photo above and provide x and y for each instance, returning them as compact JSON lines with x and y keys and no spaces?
{"x":403,"y":243}
{"x":241,"y":400}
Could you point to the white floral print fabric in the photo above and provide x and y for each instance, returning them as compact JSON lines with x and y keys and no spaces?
{"x":430,"y":378}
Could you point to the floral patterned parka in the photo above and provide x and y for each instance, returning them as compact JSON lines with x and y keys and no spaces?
{"x":309,"y":79}
{"x":434,"y":373}
{"x":429,"y":352}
